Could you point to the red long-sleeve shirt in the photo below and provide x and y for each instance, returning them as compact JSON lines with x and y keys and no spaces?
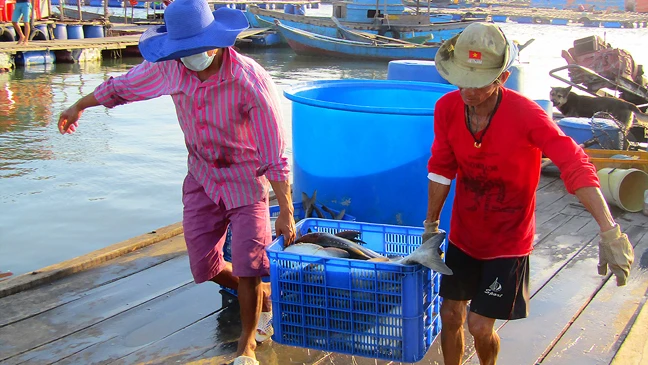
{"x":493,"y":215}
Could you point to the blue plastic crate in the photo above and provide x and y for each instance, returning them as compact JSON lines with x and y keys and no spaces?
{"x":376,"y":310}
{"x":298,"y":212}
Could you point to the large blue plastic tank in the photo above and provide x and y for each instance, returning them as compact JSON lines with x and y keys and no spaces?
{"x":414,"y":70}
{"x":584,"y":129}
{"x":364,"y":146}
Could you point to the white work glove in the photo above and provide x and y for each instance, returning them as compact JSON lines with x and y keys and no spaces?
{"x":431,"y":229}
{"x":615,"y":252}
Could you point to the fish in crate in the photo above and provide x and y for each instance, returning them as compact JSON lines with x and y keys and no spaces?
{"x":358,"y":288}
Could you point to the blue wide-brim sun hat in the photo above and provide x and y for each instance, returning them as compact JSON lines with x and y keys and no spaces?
{"x":191,"y":28}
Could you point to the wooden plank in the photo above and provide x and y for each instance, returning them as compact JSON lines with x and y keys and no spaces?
{"x":555,"y":305}
{"x":67,"y":44}
{"x":32,"y":302}
{"x":634,"y":349}
{"x":218,"y":347}
{"x":597,"y":333}
{"x":134,"y":328}
{"x":97,"y":305}
{"x":84,"y":262}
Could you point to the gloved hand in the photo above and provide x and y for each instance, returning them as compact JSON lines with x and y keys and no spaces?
{"x":431,"y":229}
{"x":616,"y":252}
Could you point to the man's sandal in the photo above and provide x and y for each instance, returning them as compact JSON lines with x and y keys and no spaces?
{"x":245,"y":360}
{"x":264,"y":328}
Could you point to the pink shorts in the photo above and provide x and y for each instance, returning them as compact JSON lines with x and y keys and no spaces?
{"x":205,"y":227}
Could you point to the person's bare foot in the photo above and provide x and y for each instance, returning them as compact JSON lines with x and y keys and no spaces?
{"x":21,"y":40}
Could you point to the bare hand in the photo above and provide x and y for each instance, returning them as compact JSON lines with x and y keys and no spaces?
{"x":285,"y":225}
{"x":69,"y":119}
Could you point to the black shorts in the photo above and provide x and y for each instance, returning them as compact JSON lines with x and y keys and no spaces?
{"x":497,"y":288}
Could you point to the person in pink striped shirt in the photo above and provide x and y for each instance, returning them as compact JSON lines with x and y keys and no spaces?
{"x":229,"y":111}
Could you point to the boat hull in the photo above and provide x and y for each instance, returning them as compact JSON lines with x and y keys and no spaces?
{"x":309,"y":44}
{"x":325,"y":26}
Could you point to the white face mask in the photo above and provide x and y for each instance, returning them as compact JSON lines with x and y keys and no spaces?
{"x":198,"y":62}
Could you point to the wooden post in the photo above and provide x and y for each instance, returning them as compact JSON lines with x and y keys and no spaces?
{"x":61,"y":9}
{"x":106,"y":15}
{"x":78,"y":9}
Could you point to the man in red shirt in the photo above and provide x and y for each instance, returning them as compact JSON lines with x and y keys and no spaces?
{"x":491,"y":139}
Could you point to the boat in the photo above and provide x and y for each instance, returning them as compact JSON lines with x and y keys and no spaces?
{"x":312,"y":44}
{"x":384,"y":17}
{"x":359,"y":36}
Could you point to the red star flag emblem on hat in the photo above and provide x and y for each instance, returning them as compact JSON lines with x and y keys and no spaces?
{"x":474,"y":57}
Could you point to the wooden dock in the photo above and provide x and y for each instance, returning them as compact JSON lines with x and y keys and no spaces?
{"x":136,"y":303}
{"x":106,"y":43}
{"x":545,"y":16}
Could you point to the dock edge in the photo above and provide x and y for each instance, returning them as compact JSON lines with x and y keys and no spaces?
{"x":60,"y":270}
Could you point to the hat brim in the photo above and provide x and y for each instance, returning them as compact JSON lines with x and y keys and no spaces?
{"x":467,"y":77}
{"x":155,"y":44}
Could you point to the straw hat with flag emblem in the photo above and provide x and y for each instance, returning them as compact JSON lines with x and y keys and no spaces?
{"x":475,"y":57}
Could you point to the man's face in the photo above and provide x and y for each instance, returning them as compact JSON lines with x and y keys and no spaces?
{"x":476,"y":96}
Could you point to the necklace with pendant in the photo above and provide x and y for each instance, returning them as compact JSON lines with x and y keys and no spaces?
{"x":478,"y":142}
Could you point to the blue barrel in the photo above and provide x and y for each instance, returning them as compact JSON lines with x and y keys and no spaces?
{"x":44,"y":30}
{"x":220,"y":5}
{"x":289,"y":9}
{"x":34,"y":58}
{"x":262,"y":6}
{"x":96,"y":2}
{"x":314,"y":6}
{"x":7,"y":34}
{"x":93,"y":31}
{"x":279,"y":6}
{"x":60,"y":32}
{"x":115,"y":3}
{"x":364,"y":146}
{"x":240,"y":6}
{"x":299,"y":10}
{"x":559,"y":21}
{"x":75,"y":31}
{"x":414,"y":70}
{"x":584,"y":129}
{"x":500,"y":18}
{"x":516,"y":79}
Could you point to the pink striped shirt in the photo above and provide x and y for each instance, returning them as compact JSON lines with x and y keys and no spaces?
{"x":231,"y":122}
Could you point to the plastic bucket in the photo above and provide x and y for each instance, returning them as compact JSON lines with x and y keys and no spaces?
{"x":289,"y":9}
{"x":414,"y":70}
{"x":624,"y":187}
{"x":364,"y":146}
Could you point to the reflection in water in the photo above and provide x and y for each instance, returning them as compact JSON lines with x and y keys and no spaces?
{"x":24,"y":114}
